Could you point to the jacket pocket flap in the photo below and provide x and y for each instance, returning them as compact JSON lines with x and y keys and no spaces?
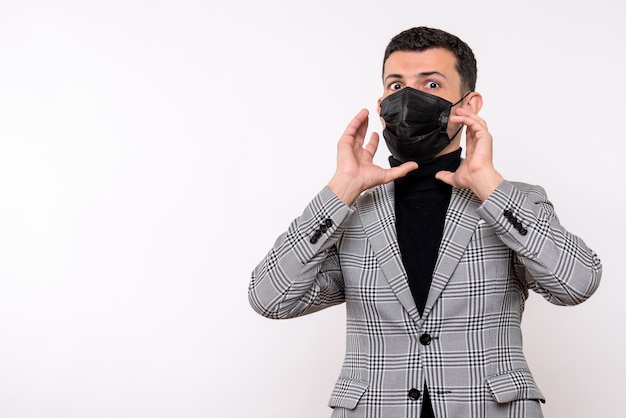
{"x":347,"y":393}
{"x":514,"y":385}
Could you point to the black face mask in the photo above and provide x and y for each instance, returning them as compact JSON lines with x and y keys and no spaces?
{"x":416,"y":124}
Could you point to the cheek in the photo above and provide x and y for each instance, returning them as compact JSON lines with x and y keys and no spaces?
{"x":452,"y":129}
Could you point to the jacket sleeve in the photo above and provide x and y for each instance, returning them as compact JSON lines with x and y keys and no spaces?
{"x":550,"y":260}
{"x":301,"y":274}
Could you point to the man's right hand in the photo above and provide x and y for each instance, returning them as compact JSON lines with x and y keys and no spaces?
{"x":356,"y":171}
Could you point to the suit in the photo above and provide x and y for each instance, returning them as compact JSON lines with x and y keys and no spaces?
{"x":467,"y":345}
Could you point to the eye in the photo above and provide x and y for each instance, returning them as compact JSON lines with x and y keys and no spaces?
{"x":432,"y":85}
{"x":395,"y":86}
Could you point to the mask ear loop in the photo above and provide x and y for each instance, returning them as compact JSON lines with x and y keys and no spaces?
{"x":461,"y":99}
{"x":461,"y":127}
{"x":456,"y":133}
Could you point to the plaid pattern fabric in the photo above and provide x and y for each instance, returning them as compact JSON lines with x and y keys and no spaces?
{"x":467,"y":346}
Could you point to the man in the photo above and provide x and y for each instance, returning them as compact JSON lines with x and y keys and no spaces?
{"x":433,"y":256}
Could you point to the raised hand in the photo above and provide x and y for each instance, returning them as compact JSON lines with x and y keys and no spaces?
{"x":356,"y":171}
{"x":476,"y":171}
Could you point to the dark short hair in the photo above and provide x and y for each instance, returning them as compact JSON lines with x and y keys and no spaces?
{"x":422,"y":38}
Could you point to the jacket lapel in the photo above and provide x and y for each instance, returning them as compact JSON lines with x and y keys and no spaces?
{"x":376,"y":211}
{"x":460,"y":224}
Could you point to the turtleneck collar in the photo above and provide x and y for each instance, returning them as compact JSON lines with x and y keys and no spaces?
{"x":423,"y":178}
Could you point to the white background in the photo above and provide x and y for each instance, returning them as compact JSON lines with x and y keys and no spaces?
{"x":151,"y":152}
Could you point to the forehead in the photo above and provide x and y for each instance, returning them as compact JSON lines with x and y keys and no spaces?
{"x":411,"y":63}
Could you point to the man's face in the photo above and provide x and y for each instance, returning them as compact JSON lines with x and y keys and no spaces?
{"x":432,"y":71}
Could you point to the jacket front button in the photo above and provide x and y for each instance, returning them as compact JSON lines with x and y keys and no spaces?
{"x":414,"y":394}
{"x":425,"y":339}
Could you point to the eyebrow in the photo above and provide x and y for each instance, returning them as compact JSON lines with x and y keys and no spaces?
{"x":419,"y":75}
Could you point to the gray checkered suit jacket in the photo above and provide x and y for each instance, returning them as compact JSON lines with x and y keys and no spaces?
{"x":467,"y":345}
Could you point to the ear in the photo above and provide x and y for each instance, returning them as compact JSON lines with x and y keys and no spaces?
{"x":382,"y":121}
{"x":474,"y":101}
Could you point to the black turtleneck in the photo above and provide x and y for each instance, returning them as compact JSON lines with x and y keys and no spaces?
{"x":421,"y":202}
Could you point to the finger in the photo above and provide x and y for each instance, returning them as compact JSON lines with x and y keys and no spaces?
{"x":372,"y":145}
{"x":445,"y":176}
{"x":475,"y":123}
{"x":399,"y":171}
{"x":476,"y":128}
{"x":468,"y":118}
{"x":462,"y":111}
{"x":358,"y":125}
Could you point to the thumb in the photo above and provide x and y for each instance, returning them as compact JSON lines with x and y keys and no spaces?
{"x":445,"y":176}
{"x":400,"y":171}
